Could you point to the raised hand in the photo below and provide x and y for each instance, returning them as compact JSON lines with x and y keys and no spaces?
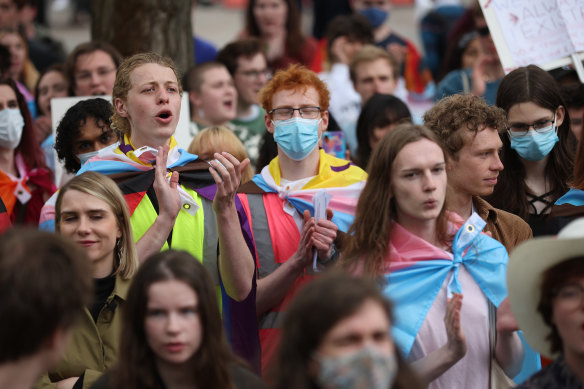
{"x":324,"y":235}
{"x":226,"y":171}
{"x":505,"y":319}
{"x":169,"y":202}
{"x":456,"y":338}
{"x":303,"y":255}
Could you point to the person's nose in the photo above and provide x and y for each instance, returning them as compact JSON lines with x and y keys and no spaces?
{"x":429,"y":182}
{"x":378,"y":86}
{"x":83,"y":227}
{"x":163,"y":96}
{"x":95,"y":78}
{"x":497,"y":164}
{"x":172,"y":323}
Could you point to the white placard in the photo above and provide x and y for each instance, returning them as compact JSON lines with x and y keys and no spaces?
{"x":59,"y":107}
{"x":547,"y":33}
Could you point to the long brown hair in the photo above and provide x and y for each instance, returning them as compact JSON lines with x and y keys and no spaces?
{"x":294,"y":38}
{"x":578,"y":180}
{"x":136,"y":367}
{"x":369,"y":236}
{"x":29,"y":147}
{"x":535,"y":85}
{"x":319,"y":307}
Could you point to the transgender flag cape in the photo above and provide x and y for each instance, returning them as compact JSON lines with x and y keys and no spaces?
{"x":417,"y":271}
{"x":340,"y":178}
{"x":122,"y":158}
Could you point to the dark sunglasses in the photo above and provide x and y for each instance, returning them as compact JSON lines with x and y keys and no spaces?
{"x":483,"y":31}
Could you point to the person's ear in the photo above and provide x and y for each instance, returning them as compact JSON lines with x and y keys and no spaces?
{"x":560,"y":115}
{"x":120,"y":106}
{"x":194,"y":98}
{"x":269,"y":124}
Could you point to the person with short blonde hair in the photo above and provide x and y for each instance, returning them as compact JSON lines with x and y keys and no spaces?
{"x":214,"y":139}
{"x":176,"y":200}
{"x":92,"y":212}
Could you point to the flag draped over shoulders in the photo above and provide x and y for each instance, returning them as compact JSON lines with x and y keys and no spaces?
{"x":340,"y":178}
{"x":417,"y":270}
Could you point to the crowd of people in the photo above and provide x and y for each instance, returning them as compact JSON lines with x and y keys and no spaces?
{"x":346,"y":213}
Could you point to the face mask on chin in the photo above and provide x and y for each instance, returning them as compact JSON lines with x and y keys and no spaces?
{"x":297,"y":137}
{"x":86,"y":156}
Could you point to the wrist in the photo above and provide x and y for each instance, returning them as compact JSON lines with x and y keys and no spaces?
{"x":332,"y":256}
{"x":225,"y":212}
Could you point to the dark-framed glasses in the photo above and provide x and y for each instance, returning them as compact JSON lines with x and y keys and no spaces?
{"x":287,"y":113}
{"x":520,"y":129}
{"x":86,"y":76}
{"x":255,"y":73}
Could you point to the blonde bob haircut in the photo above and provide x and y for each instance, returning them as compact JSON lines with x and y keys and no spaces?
{"x":123,"y":82}
{"x":105,"y":189}
{"x":217,"y":139}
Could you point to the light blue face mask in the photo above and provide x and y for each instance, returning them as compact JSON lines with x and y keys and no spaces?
{"x":375,"y":16}
{"x":86,"y":156}
{"x":535,"y":145}
{"x":296,"y":136}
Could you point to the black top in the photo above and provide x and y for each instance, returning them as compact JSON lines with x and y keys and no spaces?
{"x":103,"y":289}
{"x":554,"y":376}
{"x":241,"y":377}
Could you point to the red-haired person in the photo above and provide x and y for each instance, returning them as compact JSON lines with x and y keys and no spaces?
{"x":279,"y":201}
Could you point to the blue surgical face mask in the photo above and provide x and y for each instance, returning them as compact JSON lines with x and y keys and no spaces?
{"x":366,"y":368}
{"x":375,"y":16}
{"x":296,"y":136}
{"x":86,"y":156}
{"x":535,"y":145}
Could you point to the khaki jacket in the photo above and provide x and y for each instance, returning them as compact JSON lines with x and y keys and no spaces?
{"x":507,"y":228}
{"x":93,"y":347}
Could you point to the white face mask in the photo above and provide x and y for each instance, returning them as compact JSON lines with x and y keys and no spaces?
{"x":86,"y":156}
{"x":11,"y":125}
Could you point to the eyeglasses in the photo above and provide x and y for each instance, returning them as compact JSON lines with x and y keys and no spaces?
{"x":85,"y":77}
{"x":570,"y":296}
{"x":255,"y":73}
{"x":287,"y":113}
{"x":483,"y":31}
{"x":520,"y":129}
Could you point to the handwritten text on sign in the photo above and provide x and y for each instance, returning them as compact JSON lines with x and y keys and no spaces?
{"x":539,"y":31}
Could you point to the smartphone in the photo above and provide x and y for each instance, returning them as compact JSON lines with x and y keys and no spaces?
{"x":333,"y":143}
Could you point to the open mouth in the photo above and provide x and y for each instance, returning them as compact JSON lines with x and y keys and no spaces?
{"x":164,"y":115}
